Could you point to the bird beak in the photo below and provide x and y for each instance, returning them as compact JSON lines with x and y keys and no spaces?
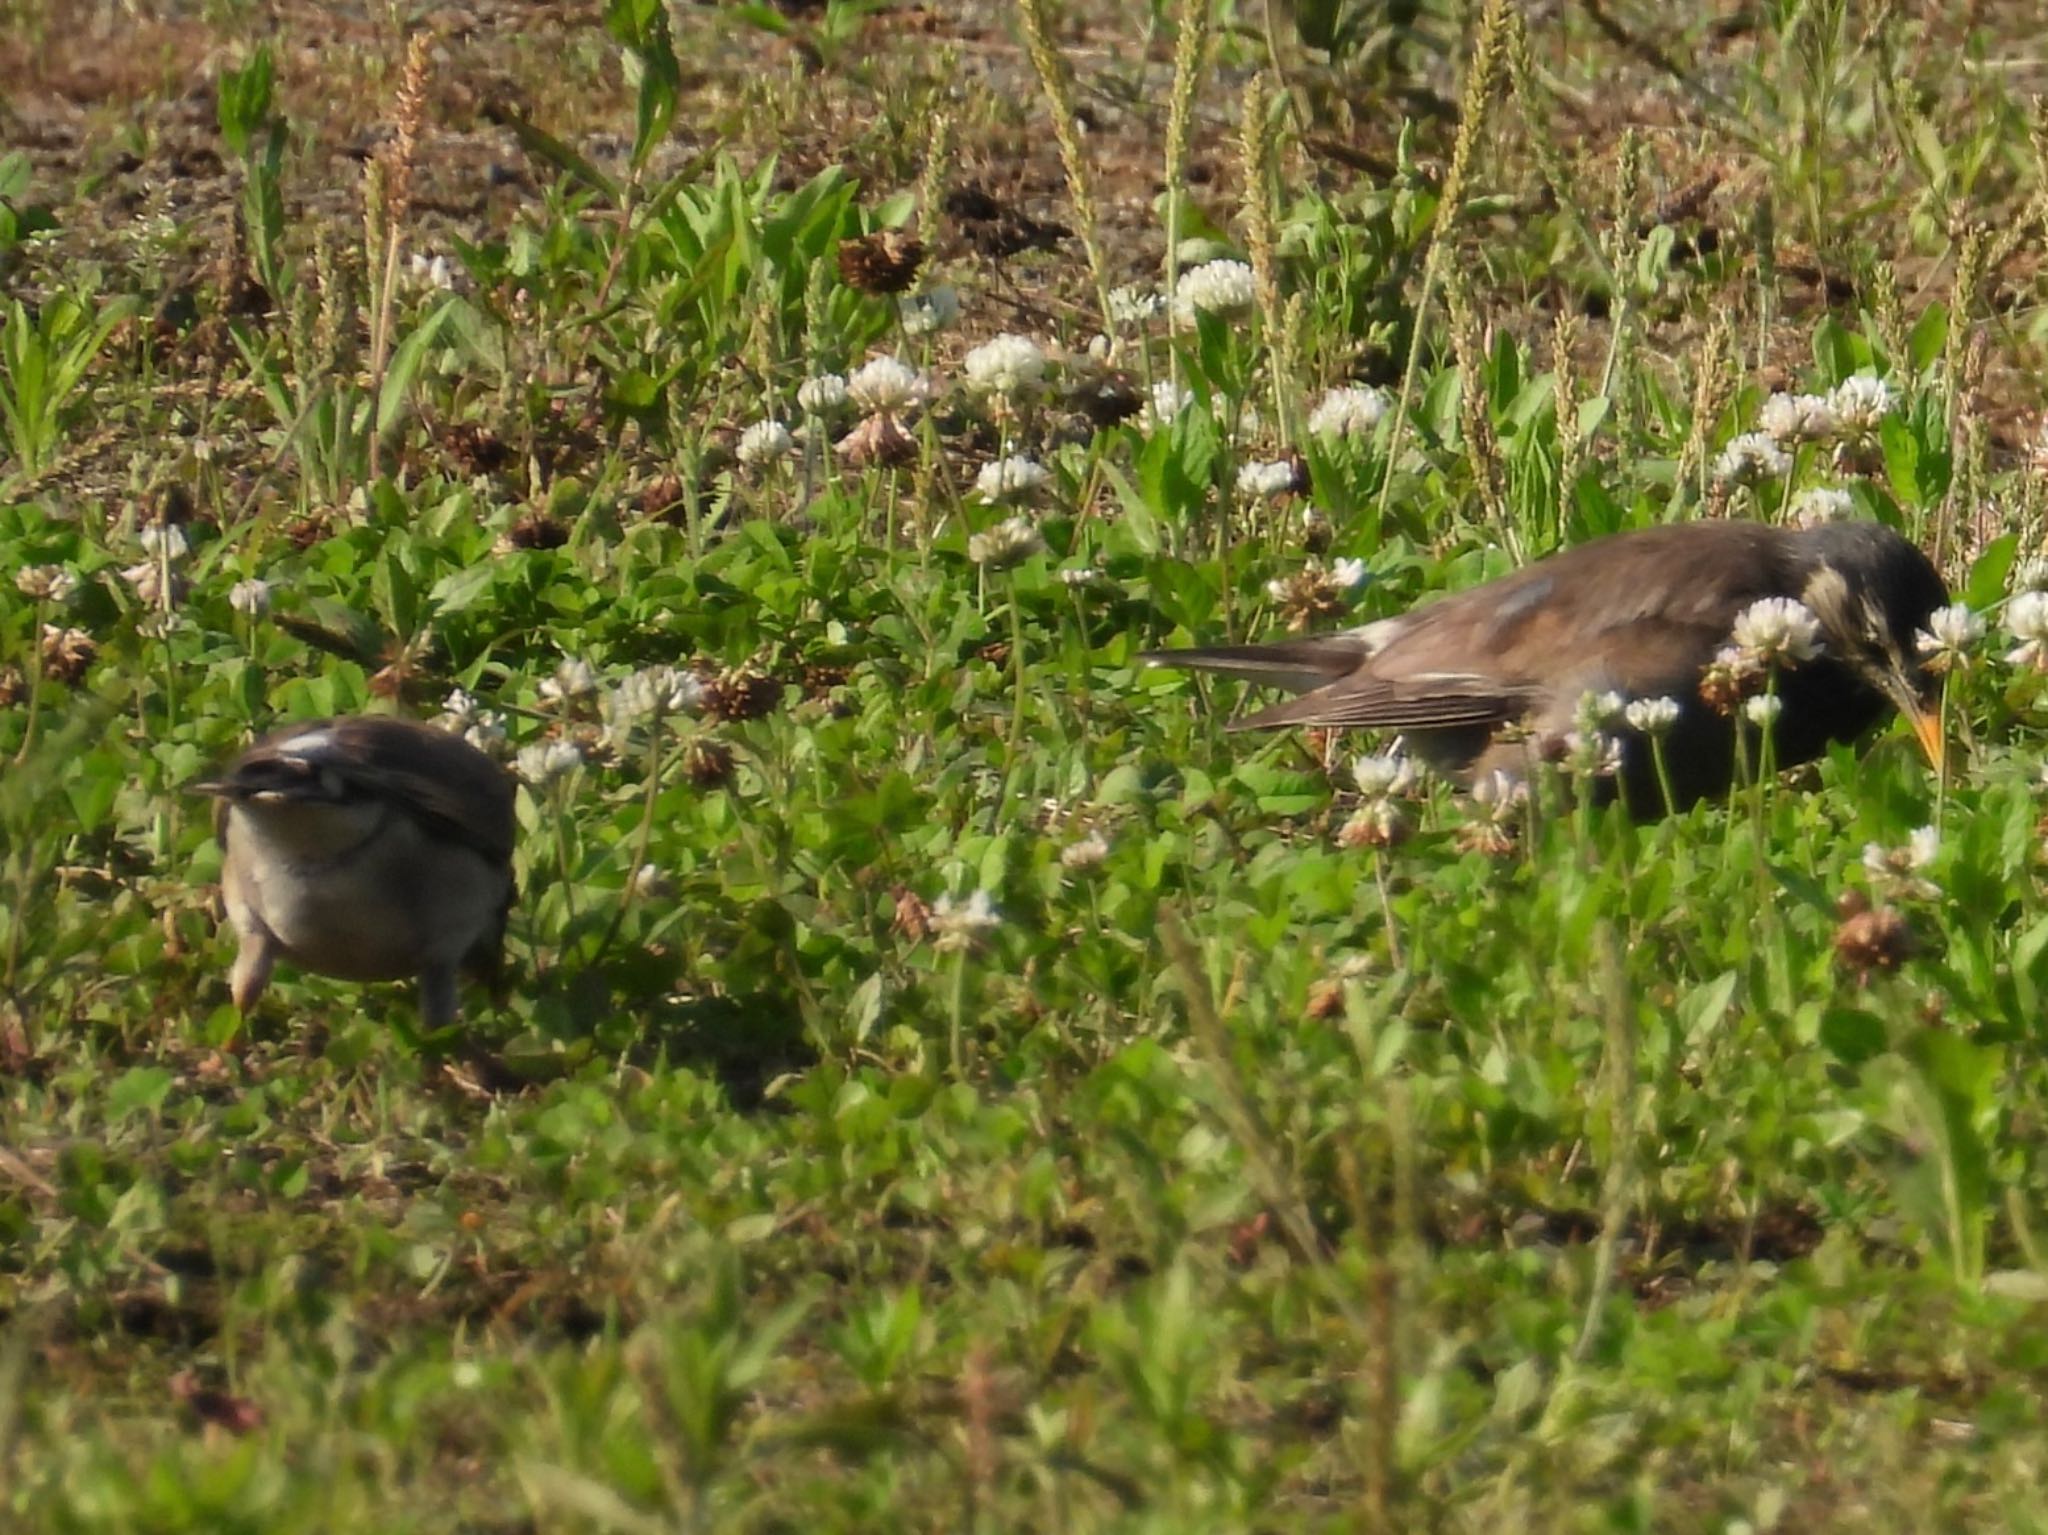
{"x":1923,"y":717}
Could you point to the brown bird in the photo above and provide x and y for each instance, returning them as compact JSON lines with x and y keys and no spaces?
{"x":1642,"y":614}
{"x":369,"y":849}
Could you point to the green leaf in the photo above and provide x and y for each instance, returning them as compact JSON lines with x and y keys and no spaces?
{"x":243,"y":99}
{"x":407,"y":359}
{"x":1985,"y":586}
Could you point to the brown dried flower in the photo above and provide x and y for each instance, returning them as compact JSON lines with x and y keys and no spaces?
{"x":708,"y":763}
{"x":475,"y":448}
{"x":68,"y":654}
{"x":913,"y":918}
{"x":537,"y":530}
{"x":879,"y":440}
{"x":883,"y":262}
{"x":741,"y":694}
{"x":1873,"y":938}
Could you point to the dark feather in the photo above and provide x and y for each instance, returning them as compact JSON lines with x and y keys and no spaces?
{"x":448,"y":786}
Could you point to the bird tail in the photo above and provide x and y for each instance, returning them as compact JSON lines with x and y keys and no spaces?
{"x":1299,"y":666}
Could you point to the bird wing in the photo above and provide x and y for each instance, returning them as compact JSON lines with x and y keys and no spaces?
{"x":1432,"y":701}
{"x":434,"y":775}
{"x":1639,"y":612}
{"x":1297,"y":665}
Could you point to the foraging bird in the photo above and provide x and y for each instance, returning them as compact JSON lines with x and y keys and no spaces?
{"x":366,"y":848}
{"x":1642,"y":614}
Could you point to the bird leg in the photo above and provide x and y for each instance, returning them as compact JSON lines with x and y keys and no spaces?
{"x":251,"y":972}
{"x":439,"y":1002}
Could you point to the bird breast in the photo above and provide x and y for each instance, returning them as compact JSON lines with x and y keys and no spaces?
{"x":358,"y":891}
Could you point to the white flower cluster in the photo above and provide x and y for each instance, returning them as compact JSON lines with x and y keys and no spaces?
{"x":1008,"y":367}
{"x":763,"y":443}
{"x":45,"y":583}
{"x":1951,"y":634}
{"x":2026,"y":619}
{"x":1005,"y":478}
{"x":1010,"y":542}
{"x":1900,"y":873}
{"x":1821,"y":503}
{"x":1778,"y":630}
{"x":1650,"y":716}
{"x":887,"y":386}
{"x":1215,"y":287}
{"x":960,"y":924}
{"x":1348,"y":412}
{"x":1751,"y":459}
{"x":1264,"y":481}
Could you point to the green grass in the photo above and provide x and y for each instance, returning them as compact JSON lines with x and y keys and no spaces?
{"x":1538,"y":1171}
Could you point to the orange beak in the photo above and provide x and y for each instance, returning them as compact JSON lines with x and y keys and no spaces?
{"x":1923,"y":717}
{"x":1927,"y":727}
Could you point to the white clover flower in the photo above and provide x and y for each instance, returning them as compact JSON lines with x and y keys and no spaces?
{"x":1923,"y":844}
{"x":1763,"y":710}
{"x":887,"y":386}
{"x":1018,"y":475}
{"x":821,"y":394}
{"x":2030,"y":574}
{"x":959,"y":924}
{"x":1386,"y":774}
{"x":148,"y":580}
{"x":165,"y":539}
{"x":1315,"y":591}
{"x":251,"y":597}
{"x":486,"y":733}
{"x":1010,"y":542}
{"x":1751,"y":459}
{"x":1215,"y":287}
{"x":1821,"y":503}
{"x":431,"y":273}
{"x":1088,"y":853}
{"x":1596,"y":711}
{"x":1261,"y":481}
{"x":1951,"y":633}
{"x":1378,"y":823}
{"x":1651,"y":716}
{"x":1900,"y":872}
{"x":927,"y":313}
{"x":1078,"y":575}
{"x":574,"y":677}
{"x":1797,"y":418}
{"x":1008,"y":366}
{"x":1499,"y":792}
{"x":763,"y":443}
{"x":1861,"y":403}
{"x":1166,"y":401}
{"x":1778,"y":629}
{"x":45,"y":583}
{"x":1131,"y":307}
{"x":545,"y":761}
{"x":654,"y":691}
{"x":2026,"y":619}
{"x":459,"y":709}
{"x":1350,"y":411}
{"x":1595,"y":753}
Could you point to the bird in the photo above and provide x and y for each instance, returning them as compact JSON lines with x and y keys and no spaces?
{"x":1493,"y":677}
{"x":367,"y":848}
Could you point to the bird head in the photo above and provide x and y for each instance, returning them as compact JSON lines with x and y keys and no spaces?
{"x":1873,"y":591}
{"x":295,"y":792}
